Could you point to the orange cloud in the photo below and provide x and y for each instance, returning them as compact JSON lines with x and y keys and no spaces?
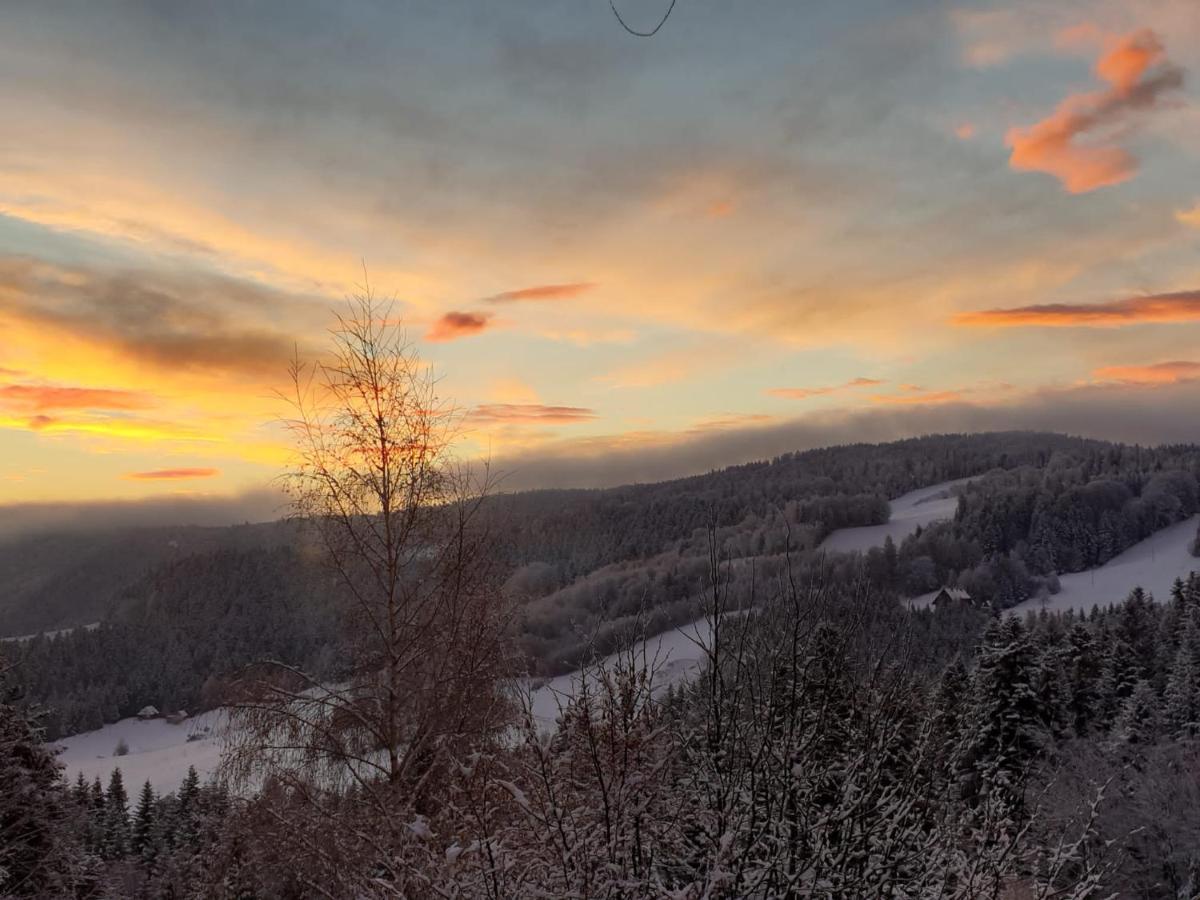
{"x":1173,"y":372}
{"x":1138,"y":73}
{"x":915,"y":396}
{"x":455,"y":325}
{"x":44,"y":398}
{"x":530,"y":413}
{"x":965,"y":131}
{"x":805,"y":393}
{"x":1189,"y":216}
{"x":1180,"y":306}
{"x":731,"y":421}
{"x":542,"y":292}
{"x":173,"y":474}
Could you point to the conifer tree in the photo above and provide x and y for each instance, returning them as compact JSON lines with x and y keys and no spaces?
{"x":1083,"y":676}
{"x":1004,"y":732}
{"x":116,"y":818}
{"x":144,"y":825}
{"x":1138,"y":720}
{"x":37,"y":853}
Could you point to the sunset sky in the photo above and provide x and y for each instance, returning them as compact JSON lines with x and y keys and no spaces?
{"x":771,"y":225}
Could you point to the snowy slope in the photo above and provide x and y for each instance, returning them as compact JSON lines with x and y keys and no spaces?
{"x":158,"y":751}
{"x":916,"y":508}
{"x":1154,"y":564}
{"x":675,"y":656}
{"x":161,"y":752}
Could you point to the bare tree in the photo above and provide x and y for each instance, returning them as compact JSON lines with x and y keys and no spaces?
{"x":427,"y":659}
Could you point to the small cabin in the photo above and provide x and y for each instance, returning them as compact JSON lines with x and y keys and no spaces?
{"x":148,"y":712}
{"x":948,"y":596}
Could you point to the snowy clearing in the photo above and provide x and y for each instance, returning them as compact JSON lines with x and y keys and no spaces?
{"x":161,"y":752}
{"x":675,"y":655}
{"x":916,"y":508}
{"x":158,"y":751}
{"x":1152,"y":564}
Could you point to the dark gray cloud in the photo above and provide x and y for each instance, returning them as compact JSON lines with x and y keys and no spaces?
{"x":175,"y":320}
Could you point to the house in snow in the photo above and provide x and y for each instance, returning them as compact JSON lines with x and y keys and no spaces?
{"x":948,"y":596}
{"x":148,"y":712}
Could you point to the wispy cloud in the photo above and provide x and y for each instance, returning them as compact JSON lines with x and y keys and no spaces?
{"x":731,"y":421}
{"x":529,"y":413}
{"x":1138,"y":73}
{"x":917,"y":397}
{"x":803,"y":393}
{"x":455,"y":325}
{"x":1173,"y":372}
{"x":42,"y":398}
{"x":542,"y":292}
{"x":1178,"y":306}
{"x":173,"y":474}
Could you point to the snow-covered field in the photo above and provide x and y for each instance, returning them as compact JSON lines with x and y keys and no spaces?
{"x":674,"y":656}
{"x":916,"y":508}
{"x":161,"y":752}
{"x":158,"y":751}
{"x":1154,"y":564}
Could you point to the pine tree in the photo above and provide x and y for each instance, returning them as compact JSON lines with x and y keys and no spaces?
{"x":1181,"y":702}
{"x":1004,"y":732}
{"x":188,"y":812}
{"x":116,"y":818}
{"x":38,"y":855}
{"x":1083,"y":676}
{"x":1119,"y":672}
{"x":144,"y":826}
{"x":1138,"y":721}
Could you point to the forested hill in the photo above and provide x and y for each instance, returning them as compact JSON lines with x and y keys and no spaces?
{"x":55,"y":581}
{"x":51,"y":581}
{"x":824,"y":489}
{"x":184,"y":607}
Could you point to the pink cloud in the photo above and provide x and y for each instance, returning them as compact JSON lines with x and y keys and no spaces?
{"x":1179,"y":306}
{"x":530,"y":413}
{"x":1138,"y":73}
{"x":805,"y":393}
{"x":39,"y":398}
{"x":173,"y":474}
{"x":542,"y":292}
{"x":1174,"y":372}
{"x":455,"y":325}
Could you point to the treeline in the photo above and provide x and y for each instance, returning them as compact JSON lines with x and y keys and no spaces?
{"x":95,"y":841}
{"x":181,"y":631}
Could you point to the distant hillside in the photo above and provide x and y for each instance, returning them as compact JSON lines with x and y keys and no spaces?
{"x":55,"y":581}
{"x":184,"y":607}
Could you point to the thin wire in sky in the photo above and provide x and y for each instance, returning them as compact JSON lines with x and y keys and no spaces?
{"x":651,"y":33}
